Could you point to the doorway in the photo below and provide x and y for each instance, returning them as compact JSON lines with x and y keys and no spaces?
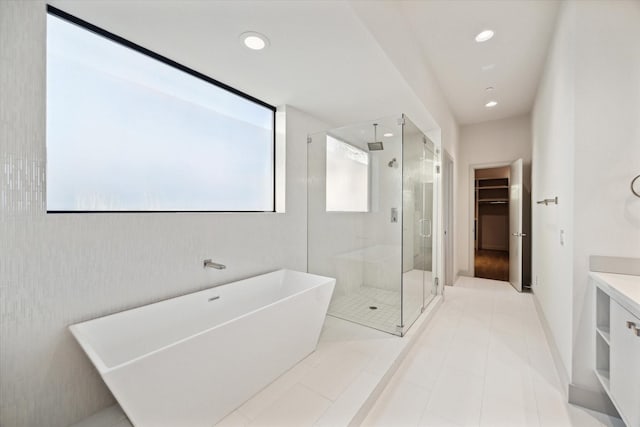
{"x":501,"y":212}
{"x":491,"y":223}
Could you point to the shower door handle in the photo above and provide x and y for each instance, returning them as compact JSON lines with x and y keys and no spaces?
{"x":421,"y":222}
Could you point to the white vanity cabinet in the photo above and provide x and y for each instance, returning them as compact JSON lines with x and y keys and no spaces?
{"x":625,"y":363}
{"x":618,"y":341}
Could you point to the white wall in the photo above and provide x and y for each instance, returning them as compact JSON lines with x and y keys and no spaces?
{"x":552,"y":175}
{"x":586,"y":150}
{"x":56,"y":270}
{"x":607,"y":156}
{"x":485,"y":144}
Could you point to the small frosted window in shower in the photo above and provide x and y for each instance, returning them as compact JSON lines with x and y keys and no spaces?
{"x":128,"y":130}
{"x":347,"y":177}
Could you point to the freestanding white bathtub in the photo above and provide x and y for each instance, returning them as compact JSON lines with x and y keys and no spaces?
{"x":189,"y":361}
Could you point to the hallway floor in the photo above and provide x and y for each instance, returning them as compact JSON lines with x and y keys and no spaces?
{"x":482,"y":361}
{"x":491,"y":264}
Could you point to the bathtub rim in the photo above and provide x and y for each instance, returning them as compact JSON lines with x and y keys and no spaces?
{"x":103,"y":369}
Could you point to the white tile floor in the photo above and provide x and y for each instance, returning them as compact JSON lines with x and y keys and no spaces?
{"x":482,"y":361}
{"x":328,"y":387}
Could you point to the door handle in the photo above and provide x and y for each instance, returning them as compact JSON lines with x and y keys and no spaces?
{"x":421,"y":222}
{"x":519,"y":234}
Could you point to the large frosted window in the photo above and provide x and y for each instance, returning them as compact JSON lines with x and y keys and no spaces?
{"x":347,"y":177}
{"x":127,"y":131}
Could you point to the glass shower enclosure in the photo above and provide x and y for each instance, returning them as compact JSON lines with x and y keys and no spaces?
{"x":371,"y":208}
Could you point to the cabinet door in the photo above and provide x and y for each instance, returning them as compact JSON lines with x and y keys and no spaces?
{"x":625,"y":364}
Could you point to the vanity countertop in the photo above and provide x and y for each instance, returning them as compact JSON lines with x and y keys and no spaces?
{"x":623,"y":288}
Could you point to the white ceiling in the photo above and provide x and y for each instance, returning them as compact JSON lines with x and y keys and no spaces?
{"x":321,"y":60}
{"x":446,"y":29}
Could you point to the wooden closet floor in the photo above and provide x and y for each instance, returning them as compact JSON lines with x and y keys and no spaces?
{"x":492,"y":265}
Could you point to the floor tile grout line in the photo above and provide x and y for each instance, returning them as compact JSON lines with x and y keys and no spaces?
{"x":484,"y":381}
{"x":440,"y":372}
{"x":331,"y":402}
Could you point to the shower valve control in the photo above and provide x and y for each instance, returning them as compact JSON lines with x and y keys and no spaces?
{"x":394,"y":214}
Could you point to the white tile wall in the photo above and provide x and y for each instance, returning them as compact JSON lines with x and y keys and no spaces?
{"x":56,"y":270}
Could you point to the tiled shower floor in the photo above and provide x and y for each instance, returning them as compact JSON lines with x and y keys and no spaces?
{"x":356,"y":306}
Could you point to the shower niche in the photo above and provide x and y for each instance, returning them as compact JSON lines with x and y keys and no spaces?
{"x":371,"y":206}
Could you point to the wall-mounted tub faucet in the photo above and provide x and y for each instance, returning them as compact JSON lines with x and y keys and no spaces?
{"x":210,"y":264}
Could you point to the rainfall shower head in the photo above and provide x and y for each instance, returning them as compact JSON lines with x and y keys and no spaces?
{"x":375,"y":145}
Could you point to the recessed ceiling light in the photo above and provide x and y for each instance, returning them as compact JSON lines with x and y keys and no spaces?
{"x":254,"y":41}
{"x":388,"y":134}
{"x":491,"y":104}
{"x":483,"y":36}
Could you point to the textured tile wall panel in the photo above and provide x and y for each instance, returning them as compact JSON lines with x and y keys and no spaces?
{"x":56,"y":270}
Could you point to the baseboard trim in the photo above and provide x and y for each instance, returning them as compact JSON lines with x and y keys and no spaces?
{"x":592,"y":399}
{"x":555,"y":353}
{"x":465,"y":273}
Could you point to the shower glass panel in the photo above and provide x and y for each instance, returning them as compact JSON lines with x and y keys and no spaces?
{"x":418,"y":223}
{"x":370,"y":220}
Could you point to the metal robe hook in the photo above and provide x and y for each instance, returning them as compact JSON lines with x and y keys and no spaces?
{"x":210,"y":264}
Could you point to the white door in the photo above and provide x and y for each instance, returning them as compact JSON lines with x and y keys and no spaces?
{"x":515,"y":225}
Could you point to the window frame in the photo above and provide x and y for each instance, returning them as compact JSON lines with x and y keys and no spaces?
{"x":51,"y":10}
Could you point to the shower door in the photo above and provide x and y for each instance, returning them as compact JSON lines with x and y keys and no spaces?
{"x":428,"y":234}
{"x":418,"y":223}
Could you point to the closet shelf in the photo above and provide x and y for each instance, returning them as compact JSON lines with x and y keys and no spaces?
{"x":493,"y":187}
